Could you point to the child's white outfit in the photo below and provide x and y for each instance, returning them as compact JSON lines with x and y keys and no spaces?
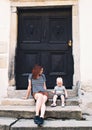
{"x":59,"y":91}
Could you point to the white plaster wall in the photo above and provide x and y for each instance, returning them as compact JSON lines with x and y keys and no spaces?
{"x":3,"y":82}
{"x":4,"y":20}
{"x":85,"y":27}
{"x":4,"y":39}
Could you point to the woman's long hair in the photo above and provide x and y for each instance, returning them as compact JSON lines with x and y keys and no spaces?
{"x":36,"y":71}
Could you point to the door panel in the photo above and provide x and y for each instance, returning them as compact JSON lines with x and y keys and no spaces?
{"x":58,"y":30}
{"x":43,"y":37}
{"x":32,"y":29}
{"x":58,"y":64}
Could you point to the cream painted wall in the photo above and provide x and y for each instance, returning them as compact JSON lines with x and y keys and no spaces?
{"x":4,"y":20}
{"x":4,"y":45}
{"x":85,"y":27}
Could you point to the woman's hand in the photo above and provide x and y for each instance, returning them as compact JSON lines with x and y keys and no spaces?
{"x":28,"y":91}
{"x":24,"y":98}
{"x":53,"y":91}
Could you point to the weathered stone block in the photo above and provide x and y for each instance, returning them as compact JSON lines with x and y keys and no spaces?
{"x":3,"y":62}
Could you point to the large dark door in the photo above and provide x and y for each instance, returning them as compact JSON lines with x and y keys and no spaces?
{"x":43,"y":36}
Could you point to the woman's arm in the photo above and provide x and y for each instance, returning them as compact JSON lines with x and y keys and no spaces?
{"x":45,"y":86}
{"x":28,"y":90}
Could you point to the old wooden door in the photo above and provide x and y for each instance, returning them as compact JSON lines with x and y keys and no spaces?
{"x":43,"y":37}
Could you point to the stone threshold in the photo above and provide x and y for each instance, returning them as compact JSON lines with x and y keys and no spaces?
{"x":30,"y":102}
{"x":13,"y":93}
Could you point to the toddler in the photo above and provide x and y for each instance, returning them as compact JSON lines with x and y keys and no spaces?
{"x":59,"y":91}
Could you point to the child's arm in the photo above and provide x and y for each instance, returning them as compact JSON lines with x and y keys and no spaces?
{"x":66,"y":95}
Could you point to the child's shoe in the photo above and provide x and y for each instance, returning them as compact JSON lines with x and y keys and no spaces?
{"x":63,"y":105}
{"x":53,"y":105}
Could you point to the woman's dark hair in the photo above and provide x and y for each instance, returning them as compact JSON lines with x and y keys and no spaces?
{"x":36,"y":71}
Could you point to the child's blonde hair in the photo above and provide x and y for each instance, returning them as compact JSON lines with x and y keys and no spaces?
{"x":59,"y":79}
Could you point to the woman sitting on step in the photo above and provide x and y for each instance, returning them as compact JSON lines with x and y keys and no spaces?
{"x":37,"y":87}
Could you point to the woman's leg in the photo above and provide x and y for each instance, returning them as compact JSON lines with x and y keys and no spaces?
{"x":40,"y":108}
{"x":43,"y":106}
{"x":39,"y":98}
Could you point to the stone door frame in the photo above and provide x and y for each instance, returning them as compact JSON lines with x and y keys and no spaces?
{"x":44,"y":3}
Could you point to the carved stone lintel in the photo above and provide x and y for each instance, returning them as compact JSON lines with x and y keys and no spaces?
{"x":13,"y":9}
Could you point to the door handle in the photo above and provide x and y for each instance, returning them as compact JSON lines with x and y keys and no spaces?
{"x":70,"y":43}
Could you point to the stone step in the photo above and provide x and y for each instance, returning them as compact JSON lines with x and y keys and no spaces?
{"x":68,"y":112}
{"x":29,"y":102}
{"x":53,"y":125}
{"x":49,"y":124}
{"x":13,"y":93}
